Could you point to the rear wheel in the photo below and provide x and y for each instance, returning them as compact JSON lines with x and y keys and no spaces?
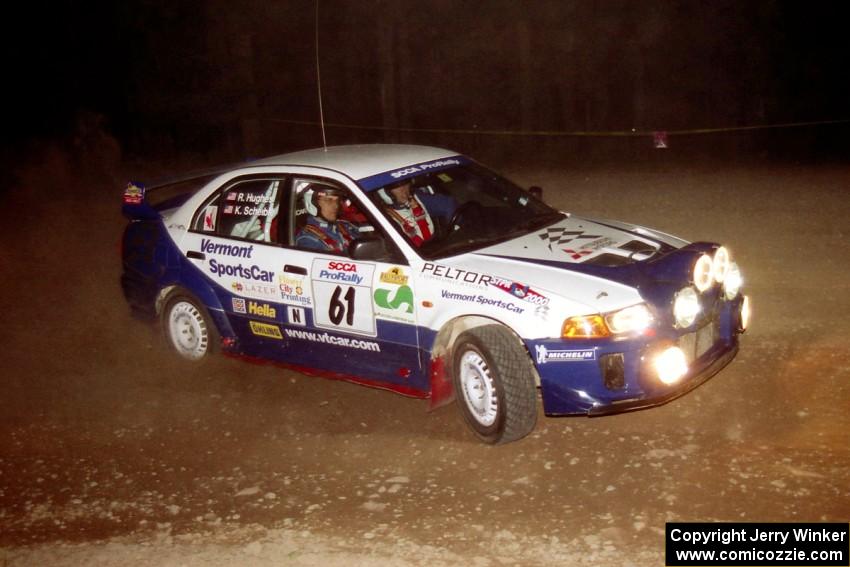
{"x":187,"y":328}
{"x":494,"y":384}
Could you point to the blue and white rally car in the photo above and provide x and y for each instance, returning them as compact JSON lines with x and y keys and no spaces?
{"x":417,"y":270}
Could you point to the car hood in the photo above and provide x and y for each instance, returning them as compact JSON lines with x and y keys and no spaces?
{"x":580,"y":241}
{"x":602,"y":265}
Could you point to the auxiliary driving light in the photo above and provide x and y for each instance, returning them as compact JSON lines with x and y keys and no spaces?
{"x":745,"y":313}
{"x":671,"y":365}
{"x":686,"y":307}
{"x":703,"y":273}
{"x":722,"y":261}
{"x":733,"y":282}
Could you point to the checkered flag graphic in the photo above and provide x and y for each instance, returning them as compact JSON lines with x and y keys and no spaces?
{"x":560,"y":236}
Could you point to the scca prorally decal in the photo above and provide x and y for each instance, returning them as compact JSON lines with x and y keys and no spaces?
{"x":340,"y":272}
{"x":545,"y":355}
{"x":330,"y":339}
{"x":561,"y":235}
{"x":520,"y":291}
{"x":239,"y":271}
{"x":448,"y":273}
{"x":481,"y":300}
{"x":210,"y":247}
{"x":423,"y":167}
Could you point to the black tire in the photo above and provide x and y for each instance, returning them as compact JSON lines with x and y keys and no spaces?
{"x":187,"y":328}
{"x":494,"y":384}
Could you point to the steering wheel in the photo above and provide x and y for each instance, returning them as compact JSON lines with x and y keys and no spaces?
{"x":471,"y":210}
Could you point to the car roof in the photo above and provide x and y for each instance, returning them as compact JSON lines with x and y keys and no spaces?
{"x":358,"y":161}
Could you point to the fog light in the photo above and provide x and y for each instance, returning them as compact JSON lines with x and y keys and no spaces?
{"x":745,"y":313}
{"x":671,"y":365}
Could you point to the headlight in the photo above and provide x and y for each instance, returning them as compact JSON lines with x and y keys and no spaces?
{"x":746,"y":312}
{"x":584,"y":327}
{"x":733,"y":281}
{"x":686,"y":306}
{"x":703,"y":273}
{"x":632,"y":319}
{"x":722,"y":261}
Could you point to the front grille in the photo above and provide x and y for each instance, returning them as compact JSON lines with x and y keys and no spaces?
{"x":697,"y":343}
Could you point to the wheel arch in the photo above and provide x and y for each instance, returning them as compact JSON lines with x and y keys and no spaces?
{"x":442,"y":352}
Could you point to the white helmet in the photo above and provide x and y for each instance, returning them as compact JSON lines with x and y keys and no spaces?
{"x":316,"y":189}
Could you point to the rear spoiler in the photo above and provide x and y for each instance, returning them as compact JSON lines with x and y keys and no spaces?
{"x":146,"y":203}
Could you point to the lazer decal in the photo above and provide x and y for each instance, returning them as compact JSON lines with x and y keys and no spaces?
{"x":265,"y":330}
{"x":545,"y":355}
{"x":560,"y":235}
{"x":257,"y":290}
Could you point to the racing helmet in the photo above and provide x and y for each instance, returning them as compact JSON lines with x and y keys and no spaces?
{"x":313,"y":191}
{"x":384,"y":192}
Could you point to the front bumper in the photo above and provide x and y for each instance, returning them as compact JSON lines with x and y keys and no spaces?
{"x":612,"y":376}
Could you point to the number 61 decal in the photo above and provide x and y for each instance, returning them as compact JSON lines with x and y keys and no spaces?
{"x":342,"y":296}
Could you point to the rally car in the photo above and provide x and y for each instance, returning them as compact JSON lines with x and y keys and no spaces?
{"x":504,"y":297}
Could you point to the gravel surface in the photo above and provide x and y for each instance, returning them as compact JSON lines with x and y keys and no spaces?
{"x":114,"y":453}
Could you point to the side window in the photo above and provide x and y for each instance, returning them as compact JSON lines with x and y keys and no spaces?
{"x":306,"y":205}
{"x":246,"y":210}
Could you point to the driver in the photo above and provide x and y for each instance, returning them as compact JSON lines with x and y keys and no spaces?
{"x":324,"y":230}
{"x":408,"y":211}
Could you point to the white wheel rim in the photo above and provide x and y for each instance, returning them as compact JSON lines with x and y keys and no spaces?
{"x":479,"y":391}
{"x":187,"y":330}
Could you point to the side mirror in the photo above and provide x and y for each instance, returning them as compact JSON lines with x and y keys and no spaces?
{"x":369,"y":248}
{"x":536,"y":191}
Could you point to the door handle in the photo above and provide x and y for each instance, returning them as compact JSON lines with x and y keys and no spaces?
{"x":295,"y":269}
{"x":195,"y":255}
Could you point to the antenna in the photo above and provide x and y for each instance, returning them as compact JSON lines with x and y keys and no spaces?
{"x":319,"y":82}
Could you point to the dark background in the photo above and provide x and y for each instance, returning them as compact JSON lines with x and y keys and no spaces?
{"x":221,"y":81}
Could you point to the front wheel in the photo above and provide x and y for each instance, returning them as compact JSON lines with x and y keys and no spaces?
{"x":187,"y":328}
{"x":494,"y":384}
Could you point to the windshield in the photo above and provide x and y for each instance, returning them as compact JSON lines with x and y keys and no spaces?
{"x":460,"y":209}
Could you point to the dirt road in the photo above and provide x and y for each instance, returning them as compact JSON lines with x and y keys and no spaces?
{"x":114,"y":453}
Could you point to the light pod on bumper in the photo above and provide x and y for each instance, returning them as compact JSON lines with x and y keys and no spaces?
{"x":733,"y":281}
{"x":722,"y":262}
{"x":670,"y":365}
{"x":703,"y":274}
